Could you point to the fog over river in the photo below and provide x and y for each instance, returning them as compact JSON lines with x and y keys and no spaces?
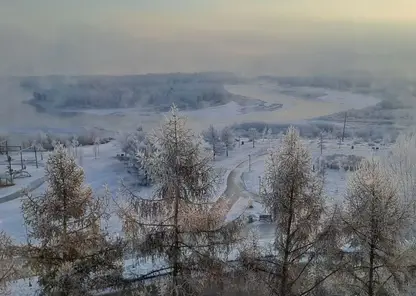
{"x":15,"y":116}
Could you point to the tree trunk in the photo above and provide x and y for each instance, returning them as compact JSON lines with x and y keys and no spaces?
{"x":65,"y":255}
{"x":175,"y":255}
{"x":372,"y":247}
{"x":371,"y":271}
{"x":175,"y":272}
{"x":286,"y":252}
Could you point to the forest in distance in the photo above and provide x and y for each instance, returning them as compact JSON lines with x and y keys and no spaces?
{"x":191,"y":90}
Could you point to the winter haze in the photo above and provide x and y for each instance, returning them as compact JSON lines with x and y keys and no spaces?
{"x":254,"y":37}
{"x":181,"y":142}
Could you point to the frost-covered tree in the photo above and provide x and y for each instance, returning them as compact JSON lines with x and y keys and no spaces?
{"x":264,"y":133}
{"x":402,"y":162}
{"x":140,"y":164}
{"x":3,"y":139}
{"x":80,"y":155}
{"x":212,"y":137}
{"x":137,"y":147}
{"x":68,"y":249}
{"x":253,"y":135}
{"x":130,"y":141}
{"x":374,"y":220}
{"x":293,"y":196}
{"x":96,"y":148}
{"x":321,"y":142}
{"x":8,"y":266}
{"x":74,"y":145}
{"x":269,"y":133}
{"x":178,"y":227}
{"x":227,"y":138}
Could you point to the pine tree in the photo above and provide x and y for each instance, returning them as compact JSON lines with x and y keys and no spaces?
{"x":375,"y":218}
{"x":293,"y":196}
{"x":401,"y":161}
{"x":178,"y":225}
{"x":68,"y":249}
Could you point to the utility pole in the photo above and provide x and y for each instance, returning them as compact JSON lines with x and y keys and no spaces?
{"x":36,"y":157}
{"x":21,"y":157}
{"x":259,"y":185}
{"x":343,"y":130}
{"x":321,"y":142}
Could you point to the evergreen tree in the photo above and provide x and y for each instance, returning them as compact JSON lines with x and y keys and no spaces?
{"x":375,"y":219}
{"x":8,"y":266}
{"x":68,"y":249}
{"x":293,"y":196}
{"x":178,"y":226}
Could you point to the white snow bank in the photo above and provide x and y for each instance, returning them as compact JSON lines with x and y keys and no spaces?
{"x":239,"y":208}
{"x":22,"y":183}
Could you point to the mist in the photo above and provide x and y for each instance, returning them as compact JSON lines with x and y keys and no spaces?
{"x":300,"y":38}
{"x":190,"y":42}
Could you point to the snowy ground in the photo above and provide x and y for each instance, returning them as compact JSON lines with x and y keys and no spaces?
{"x":335,"y":180}
{"x":20,"y":183}
{"x":106,"y":169}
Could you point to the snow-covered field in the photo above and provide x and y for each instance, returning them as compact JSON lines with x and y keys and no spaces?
{"x":105,"y":172}
{"x":335,"y":180}
{"x":106,"y":169}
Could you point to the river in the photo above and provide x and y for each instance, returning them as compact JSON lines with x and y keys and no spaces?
{"x":15,"y":116}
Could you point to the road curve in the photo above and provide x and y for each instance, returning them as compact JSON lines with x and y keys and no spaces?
{"x":235,"y":187}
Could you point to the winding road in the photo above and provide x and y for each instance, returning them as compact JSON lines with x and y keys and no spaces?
{"x":235,"y":188}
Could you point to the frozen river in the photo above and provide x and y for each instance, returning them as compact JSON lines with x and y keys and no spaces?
{"x":17,"y":116}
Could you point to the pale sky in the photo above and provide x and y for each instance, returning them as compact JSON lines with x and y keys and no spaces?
{"x":138,"y":36}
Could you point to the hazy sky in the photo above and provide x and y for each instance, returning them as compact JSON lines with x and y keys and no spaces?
{"x":139,"y":36}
